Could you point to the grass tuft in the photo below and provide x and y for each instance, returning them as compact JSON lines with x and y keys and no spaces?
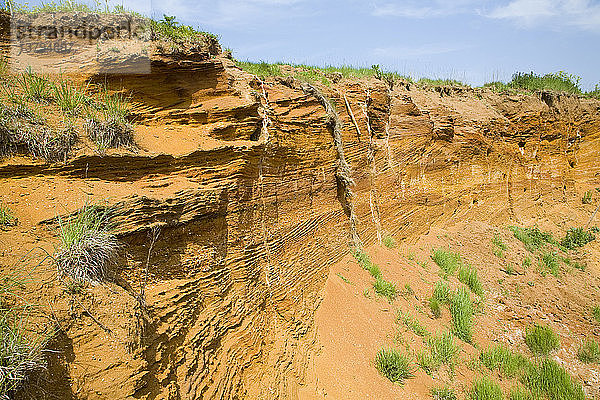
{"x":589,"y":352}
{"x":485,"y":389}
{"x":549,"y":262}
{"x":587,"y":197}
{"x":365,"y":262}
{"x":519,"y":393}
{"x":6,"y":216}
{"x":443,"y":393}
{"x":541,"y":340}
{"x":532,"y":238}
{"x":385,"y":288}
{"x":461,"y":309}
{"x":442,"y":293}
{"x":501,"y":358}
{"x":68,"y":97}
{"x":448,"y":262}
{"x":412,"y":324}
{"x":548,"y":378}
{"x":35,"y":87}
{"x":434,"y":306}
{"x":88,"y":245}
{"x":388,"y":242}
{"x":393,"y":365}
{"x":577,"y":237}
{"x":596,"y":313}
{"x":468,"y":275}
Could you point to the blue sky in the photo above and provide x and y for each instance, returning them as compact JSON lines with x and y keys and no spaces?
{"x":475,"y":41}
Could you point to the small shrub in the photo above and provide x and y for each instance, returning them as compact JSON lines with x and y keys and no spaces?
{"x":446,"y":260}
{"x":589,"y":352}
{"x":462,"y":315}
{"x":501,"y":358}
{"x":468,"y":276}
{"x":88,"y":245}
{"x":485,"y":389}
{"x":541,"y":340}
{"x":550,"y":379}
{"x":393,"y":365}
{"x":577,"y":237}
{"x":385,"y":288}
{"x":412,"y":324}
{"x":549,"y":262}
{"x":444,"y":393}
{"x":388,"y":242}
{"x":6,"y":216}
{"x":443,"y":349}
{"x":587,"y":197}
{"x":532,"y":238}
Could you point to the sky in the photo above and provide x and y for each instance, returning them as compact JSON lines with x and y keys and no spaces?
{"x":475,"y":41}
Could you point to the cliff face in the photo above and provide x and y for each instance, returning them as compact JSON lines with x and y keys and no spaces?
{"x":237,"y":180}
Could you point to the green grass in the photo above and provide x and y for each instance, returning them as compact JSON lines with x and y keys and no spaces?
{"x":532,"y":238}
{"x":587,"y":197}
{"x":448,"y":261}
{"x":70,"y":98}
{"x":468,"y":275}
{"x":596,"y":313}
{"x":442,"y":350}
{"x":388,"y":242}
{"x":559,"y":82}
{"x":461,"y":310}
{"x":519,"y":393}
{"x":394,"y":365}
{"x":168,"y":28}
{"x":526,"y":262}
{"x":88,"y":245}
{"x":261,"y":69}
{"x":589,"y":352}
{"x":485,"y":389}
{"x":412,"y":324}
{"x":502,"y":359}
{"x":443,"y":393}
{"x":6,"y":216}
{"x":342,"y":277}
{"x":434,"y":306}
{"x":577,"y":237}
{"x":541,"y":340}
{"x":549,"y":263}
{"x":440,"y":82}
{"x":497,"y":241}
{"x":35,"y":87}
{"x":385,"y":289}
{"x":548,"y":378}
{"x":365,"y":262}
{"x":442,"y":293}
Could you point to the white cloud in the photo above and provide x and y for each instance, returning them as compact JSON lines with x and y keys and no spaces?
{"x":404,"y":52}
{"x":425,"y":9}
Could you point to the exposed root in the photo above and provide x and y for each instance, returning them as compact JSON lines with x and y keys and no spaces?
{"x":343,"y":174}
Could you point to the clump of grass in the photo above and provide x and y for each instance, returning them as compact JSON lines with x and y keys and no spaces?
{"x":393,"y":365}
{"x":19,"y":354}
{"x":48,"y":144}
{"x":169,"y":29}
{"x":6,"y":216}
{"x":440,"y":82}
{"x":442,"y":293}
{"x":519,"y":393}
{"x":35,"y":87}
{"x":589,"y":352}
{"x":388,"y":242}
{"x":577,"y":237}
{"x":551,"y":380}
{"x":532,"y":238}
{"x":501,"y":358}
{"x":448,"y":261}
{"x":541,"y":340}
{"x":88,"y":245}
{"x":497,"y":241}
{"x":365,"y":262}
{"x":261,"y":69}
{"x":434,"y":306}
{"x":587,"y":197}
{"x":461,"y":310}
{"x":443,"y":348}
{"x":485,"y":389}
{"x":412,"y":324}
{"x":68,"y":97}
{"x":443,"y":393}
{"x":109,"y":134}
{"x":559,"y":82}
{"x":385,"y":288}
{"x":527,"y":262}
{"x":549,"y":262}
{"x":596,"y":313}
{"x":468,"y":275}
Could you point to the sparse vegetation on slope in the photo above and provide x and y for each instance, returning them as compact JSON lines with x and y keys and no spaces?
{"x":532,"y":238}
{"x":485,"y":389}
{"x":589,"y":352}
{"x":504,"y":360}
{"x":6,"y":216}
{"x":548,"y":378}
{"x":541,"y":339}
{"x":577,"y":237}
{"x":88,"y":245}
{"x":385,"y":289}
{"x":468,"y":275}
{"x":461,"y":309}
{"x":448,"y":261}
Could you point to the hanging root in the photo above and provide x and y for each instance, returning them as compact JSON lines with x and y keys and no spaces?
{"x":343,"y":176}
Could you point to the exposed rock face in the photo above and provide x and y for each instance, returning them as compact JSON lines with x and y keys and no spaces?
{"x":249,"y":222}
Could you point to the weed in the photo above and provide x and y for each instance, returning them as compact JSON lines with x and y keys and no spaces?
{"x":587,"y":197}
{"x":577,"y":237}
{"x":412,"y":324}
{"x":551,"y":380}
{"x":444,"y":393}
{"x":461,"y":309}
{"x":342,"y":277}
{"x":365,"y":262}
{"x":485,"y":389}
{"x":261,"y":69}
{"x":468,"y":276}
{"x":388,"y":242}
{"x":393,"y":365}
{"x":532,"y":238}
{"x":385,"y":288}
{"x":434,"y":306}
{"x":549,"y":262}
{"x":88,"y":245}
{"x":541,"y":340}
{"x":527,"y":262}
{"x":443,"y":349}
{"x":501,"y":358}
{"x":447,"y":261}
{"x":68,"y":97}
{"x":596,"y":313}
{"x":442,"y":293}
{"x":6,"y":216}
{"x":34,"y":86}
{"x":589,"y":352}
